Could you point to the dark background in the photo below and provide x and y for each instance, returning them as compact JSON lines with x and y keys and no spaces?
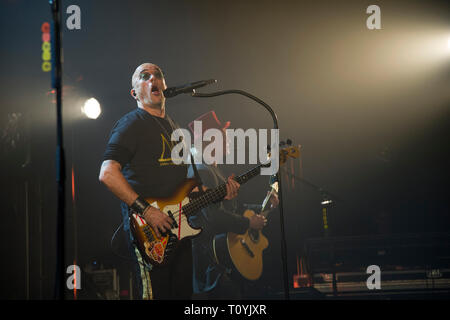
{"x":370,"y":109}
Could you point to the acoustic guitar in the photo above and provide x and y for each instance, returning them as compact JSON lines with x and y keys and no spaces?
{"x":244,"y":251}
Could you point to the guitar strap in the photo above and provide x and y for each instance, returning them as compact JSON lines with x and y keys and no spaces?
{"x":194,"y":167}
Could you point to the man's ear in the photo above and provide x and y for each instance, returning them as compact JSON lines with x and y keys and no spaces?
{"x":133,"y":94}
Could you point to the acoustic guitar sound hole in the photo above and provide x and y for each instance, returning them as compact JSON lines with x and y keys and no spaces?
{"x":254,"y":235}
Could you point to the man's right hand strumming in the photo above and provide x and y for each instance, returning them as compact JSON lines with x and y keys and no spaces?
{"x":159,"y":221}
{"x":113,"y":178}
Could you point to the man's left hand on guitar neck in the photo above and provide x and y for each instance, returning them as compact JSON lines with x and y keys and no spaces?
{"x":232,"y":188}
{"x":274,"y":201}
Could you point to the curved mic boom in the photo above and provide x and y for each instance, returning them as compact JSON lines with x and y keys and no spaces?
{"x":187,"y":88}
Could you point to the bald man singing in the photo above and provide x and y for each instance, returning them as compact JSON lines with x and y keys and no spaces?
{"x":137,"y":165}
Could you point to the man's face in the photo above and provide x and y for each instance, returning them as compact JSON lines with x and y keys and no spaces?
{"x":149,"y":84}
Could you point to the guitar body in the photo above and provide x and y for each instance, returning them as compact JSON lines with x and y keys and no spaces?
{"x":156,"y":251}
{"x":243,"y":251}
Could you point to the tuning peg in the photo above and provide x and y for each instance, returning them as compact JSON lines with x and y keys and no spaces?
{"x":289,"y":142}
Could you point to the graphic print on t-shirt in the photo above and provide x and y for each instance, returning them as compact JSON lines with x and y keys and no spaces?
{"x":166,"y":155}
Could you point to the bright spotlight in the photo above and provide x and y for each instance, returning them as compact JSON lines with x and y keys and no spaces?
{"x":91,"y":108}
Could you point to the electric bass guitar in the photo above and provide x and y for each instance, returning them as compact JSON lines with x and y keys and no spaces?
{"x":180,"y":206}
{"x":244,"y":251}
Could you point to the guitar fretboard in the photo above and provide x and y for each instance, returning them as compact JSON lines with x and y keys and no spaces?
{"x":217,"y":194}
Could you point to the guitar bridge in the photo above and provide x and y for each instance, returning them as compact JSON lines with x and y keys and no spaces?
{"x":244,"y":244}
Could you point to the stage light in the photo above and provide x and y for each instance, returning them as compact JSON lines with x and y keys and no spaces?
{"x":91,"y":108}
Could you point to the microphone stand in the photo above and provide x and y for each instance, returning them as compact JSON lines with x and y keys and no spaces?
{"x":280,"y":192}
{"x":325,"y":193}
{"x":328,"y":200}
{"x":326,"y":203}
{"x":60,"y":161}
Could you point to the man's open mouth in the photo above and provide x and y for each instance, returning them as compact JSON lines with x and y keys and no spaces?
{"x":155,"y":90}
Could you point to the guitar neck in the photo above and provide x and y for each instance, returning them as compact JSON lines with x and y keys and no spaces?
{"x":217,"y":194}
{"x":274,"y":189}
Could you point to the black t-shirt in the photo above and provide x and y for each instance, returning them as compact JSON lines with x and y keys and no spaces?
{"x":141,"y":144}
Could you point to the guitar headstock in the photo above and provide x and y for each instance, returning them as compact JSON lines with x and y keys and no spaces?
{"x":288,"y":152}
{"x":285,"y":152}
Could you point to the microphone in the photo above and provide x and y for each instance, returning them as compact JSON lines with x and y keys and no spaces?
{"x":187,"y":88}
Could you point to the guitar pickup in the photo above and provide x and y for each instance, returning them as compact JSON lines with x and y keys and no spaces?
{"x":175,"y":224}
{"x":244,"y":244}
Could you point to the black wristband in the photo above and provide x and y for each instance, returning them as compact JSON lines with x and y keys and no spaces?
{"x":139,"y":205}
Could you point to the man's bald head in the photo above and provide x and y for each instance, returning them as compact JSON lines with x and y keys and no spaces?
{"x":148,"y":86}
{"x":140,"y":69}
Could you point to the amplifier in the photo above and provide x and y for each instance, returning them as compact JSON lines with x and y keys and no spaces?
{"x":105,"y":282}
{"x":407,"y":263}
